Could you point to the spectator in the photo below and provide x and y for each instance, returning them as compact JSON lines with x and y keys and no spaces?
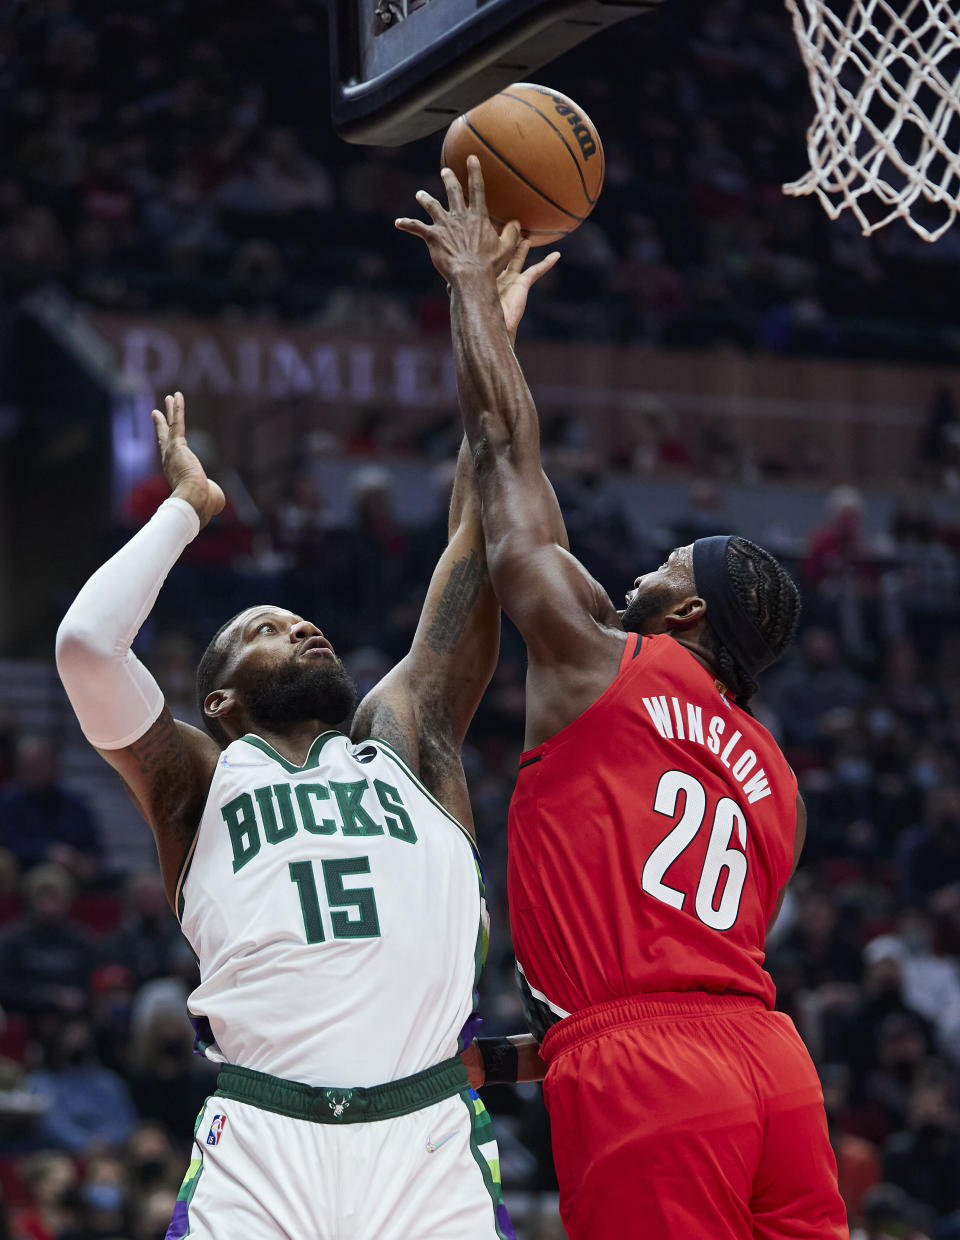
{"x":704,"y":514}
{"x":839,"y":549}
{"x":929,"y":853}
{"x":287,"y":179}
{"x":104,"y":1198}
{"x":168,"y":1082}
{"x":365,"y":305}
{"x":924,"y":584}
{"x":45,"y":961}
{"x":925,"y":1159}
{"x":151,"y":1161}
{"x":51,"y":1179}
{"x":931,"y":983}
{"x":826,"y":953}
{"x":902,"y":1049}
{"x":301,"y":520}
{"x":859,"y":1164}
{"x":889,"y":1214}
{"x":111,"y":994}
{"x":40,"y":820}
{"x":154,"y":1214}
{"x":940,"y":441}
{"x":88,"y":1106}
{"x":813,"y":682}
{"x":149,"y":935}
{"x":258,"y":280}
{"x":800,"y":325}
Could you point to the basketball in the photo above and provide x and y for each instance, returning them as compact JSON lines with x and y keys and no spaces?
{"x":541,"y":157}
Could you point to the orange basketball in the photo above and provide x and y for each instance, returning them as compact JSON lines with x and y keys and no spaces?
{"x":541,"y":157}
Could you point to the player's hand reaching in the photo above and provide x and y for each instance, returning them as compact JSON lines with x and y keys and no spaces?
{"x":514,"y":283}
{"x":182,"y":467}
{"x":462,"y":238}
{"x":473,"y":1062}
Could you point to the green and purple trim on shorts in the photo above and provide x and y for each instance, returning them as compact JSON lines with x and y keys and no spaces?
{"x":359,"y":1104}
{"x":180,"y":1219}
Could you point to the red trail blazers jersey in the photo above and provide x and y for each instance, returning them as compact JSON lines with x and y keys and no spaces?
{"x":648,"y":842}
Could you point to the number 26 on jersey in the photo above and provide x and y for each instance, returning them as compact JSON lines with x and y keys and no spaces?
{"x":720,"y":887}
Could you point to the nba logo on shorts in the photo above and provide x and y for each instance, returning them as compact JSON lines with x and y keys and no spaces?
{"x":216,"y":1130}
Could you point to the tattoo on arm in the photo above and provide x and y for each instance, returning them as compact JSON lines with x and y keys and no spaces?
{"x":382,"y":723}
{"x":158,"y":750}
{"x":456,"y":602}
{"x":164,"y":776}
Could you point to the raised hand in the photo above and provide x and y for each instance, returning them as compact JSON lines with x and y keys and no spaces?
{"x":182,"y":467}
{"x":462,"y":238}
{"x":513,"y":284}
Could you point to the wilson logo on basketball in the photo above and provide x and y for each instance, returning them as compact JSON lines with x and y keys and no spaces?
{"x":581,"y":131}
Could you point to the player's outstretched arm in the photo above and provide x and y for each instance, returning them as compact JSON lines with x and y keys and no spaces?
{"x":165,"y":765}
{"x":424,"y":706}
{"x":548,"y":594}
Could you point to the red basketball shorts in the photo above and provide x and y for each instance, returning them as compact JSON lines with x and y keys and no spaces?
{"x":689,"y":1117}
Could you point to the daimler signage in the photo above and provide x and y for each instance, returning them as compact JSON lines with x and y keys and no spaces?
{"x":279,"y":366}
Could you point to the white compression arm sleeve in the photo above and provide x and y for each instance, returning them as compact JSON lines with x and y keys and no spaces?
{"x":114,"y":696}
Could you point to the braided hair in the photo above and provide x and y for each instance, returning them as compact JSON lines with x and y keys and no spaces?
{"x":769,"y":597}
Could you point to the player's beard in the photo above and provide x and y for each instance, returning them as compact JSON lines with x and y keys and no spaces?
{"x":646,"y":605}
{"x":308,"y":687}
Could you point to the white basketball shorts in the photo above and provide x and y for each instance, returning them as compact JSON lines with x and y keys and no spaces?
{"x":432,"y":1174}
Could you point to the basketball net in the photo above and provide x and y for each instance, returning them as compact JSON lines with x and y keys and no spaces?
{"x":885,"y":140}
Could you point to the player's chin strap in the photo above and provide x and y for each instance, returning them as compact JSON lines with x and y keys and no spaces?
{"x":114,"y":696}
{"x":500,"y":1060}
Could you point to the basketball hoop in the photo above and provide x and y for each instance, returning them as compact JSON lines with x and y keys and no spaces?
{"x":885,"y":140}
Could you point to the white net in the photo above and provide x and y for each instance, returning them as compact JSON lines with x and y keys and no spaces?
{"x":885,"y":139}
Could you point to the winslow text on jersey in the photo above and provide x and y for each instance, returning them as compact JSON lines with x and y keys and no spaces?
{"x":684,"y":721}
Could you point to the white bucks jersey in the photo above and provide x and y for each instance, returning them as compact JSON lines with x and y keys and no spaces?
{"x":337,"y":914}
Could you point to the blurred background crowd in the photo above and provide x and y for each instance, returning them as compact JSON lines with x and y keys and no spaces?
{"x":175,"y":157}
{"x":98,"y":1083}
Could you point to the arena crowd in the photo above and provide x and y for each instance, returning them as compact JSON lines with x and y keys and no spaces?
{"x":169,"y":158}
{"x":99,"y":1083}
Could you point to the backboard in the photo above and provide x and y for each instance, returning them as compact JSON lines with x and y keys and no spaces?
{"x":402,"y":69}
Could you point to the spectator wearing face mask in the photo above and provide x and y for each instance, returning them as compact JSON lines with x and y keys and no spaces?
{"x":151,"y":1161}
{"x":104,"y":1199}
{"x":168,"y":1082}
{"x":87,"y":1104}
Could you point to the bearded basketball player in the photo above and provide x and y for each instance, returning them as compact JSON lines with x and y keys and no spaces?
{"x":653,"y":828}
{"x":327,"y":882}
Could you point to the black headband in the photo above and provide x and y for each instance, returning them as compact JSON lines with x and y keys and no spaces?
{"x":725,"y":613}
